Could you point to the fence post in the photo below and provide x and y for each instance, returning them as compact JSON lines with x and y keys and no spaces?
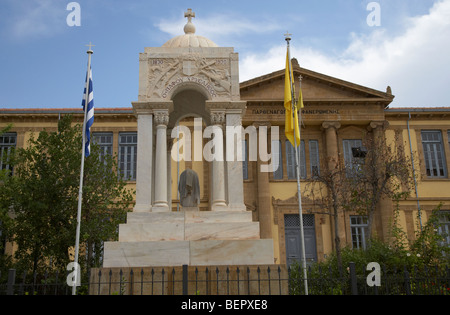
{"x":407,"y":282}
{"x":185,"y":279}
{"x":353,"y":282}
{"x":11,"y":282}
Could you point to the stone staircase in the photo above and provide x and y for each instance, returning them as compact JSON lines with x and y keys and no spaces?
{"x":190,"y":237}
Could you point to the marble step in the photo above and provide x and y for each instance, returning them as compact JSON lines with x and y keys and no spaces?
{"x":189,"y":217}
{"x":178,"y":231}
{"x":194,"y":253}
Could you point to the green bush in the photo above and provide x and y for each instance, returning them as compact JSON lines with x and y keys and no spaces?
{"x":424,"y":258}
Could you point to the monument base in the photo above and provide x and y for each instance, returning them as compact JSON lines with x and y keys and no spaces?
{"x":193,"y":253}
{"x":188,"y":238}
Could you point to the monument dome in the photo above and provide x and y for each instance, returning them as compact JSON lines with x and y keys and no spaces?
{"x":189,"y":39}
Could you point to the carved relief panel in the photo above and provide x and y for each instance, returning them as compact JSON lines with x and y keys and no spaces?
{"x":168,"y":72}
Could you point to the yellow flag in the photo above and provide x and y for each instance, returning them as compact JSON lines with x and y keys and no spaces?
{"x":291,"y":123}
{"x":300,"y":97}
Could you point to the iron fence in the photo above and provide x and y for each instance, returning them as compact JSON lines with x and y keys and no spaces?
{"x":234,"y":280}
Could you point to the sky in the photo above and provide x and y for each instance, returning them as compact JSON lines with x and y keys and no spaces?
{"x":401,"y":43}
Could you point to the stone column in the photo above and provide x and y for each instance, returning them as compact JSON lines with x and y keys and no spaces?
{"x":218,"y":167}
{"x":169,"y":168}
{"x":234,"y":166}
{"x":332,"y":144}
{"x":161,"y":122}
{"x":264,"y":198}
{"x":384,"y":210}
{"x":332,"y":154}
{"x":144,"y":173}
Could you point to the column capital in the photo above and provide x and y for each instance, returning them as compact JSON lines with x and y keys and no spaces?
{"x":383,"y":124}
{"x":161,"y":117}
{"x":331,"y":124}
{"x":148,"y":108}
{"x":218,"y":117}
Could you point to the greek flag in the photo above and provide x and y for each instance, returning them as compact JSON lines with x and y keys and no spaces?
{"x":89,"y":112}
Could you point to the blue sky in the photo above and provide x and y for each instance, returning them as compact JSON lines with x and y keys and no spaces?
{"x":43,"y":60}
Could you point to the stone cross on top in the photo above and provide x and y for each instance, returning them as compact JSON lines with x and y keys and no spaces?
{"x":189,"y":14}
{"x":189,"y":28}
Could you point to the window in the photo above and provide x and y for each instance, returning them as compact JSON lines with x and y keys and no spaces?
{"x":444,"y":227}
{"x":278,"y":173}
{"x":314,"y":157}
{"x":359,"y":226}
{"x":245,"y":162}
{"x":433,"y":152}
{"x":128,"y":155}
{"x":353,"y":156}
{"x":448,"y":137}
{"x":105,"y":142}
{"x":7,"y":143}
{"x":290,"y":160}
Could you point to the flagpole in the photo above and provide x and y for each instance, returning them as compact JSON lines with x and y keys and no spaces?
{"x":297,"y":167}
{"x":80,"y":192}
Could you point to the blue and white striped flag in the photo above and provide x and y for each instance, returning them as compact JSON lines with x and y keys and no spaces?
{"x":89,"y":113}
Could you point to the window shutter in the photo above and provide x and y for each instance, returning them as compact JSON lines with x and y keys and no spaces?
{"x":314,"y":157}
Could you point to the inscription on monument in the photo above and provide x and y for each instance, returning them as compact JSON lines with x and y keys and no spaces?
{"x":182,"y":80}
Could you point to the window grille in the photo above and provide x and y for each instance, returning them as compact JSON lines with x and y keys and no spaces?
{"x":128,"y":155}
{"x":314,"y":160}
{"x":105,"y":142}
{"x":359,"y":227}
{"x":433,"y":152}
{"x":290,"y":160}
{"x":444,"y":227}
{"x":293,"y":220}
{"x":352,"y":163}
{"x":7,"y":143}
{"x":278,"y":174}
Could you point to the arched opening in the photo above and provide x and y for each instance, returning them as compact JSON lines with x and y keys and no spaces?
{"x":189,"y":112}
{"x":188,"y":102}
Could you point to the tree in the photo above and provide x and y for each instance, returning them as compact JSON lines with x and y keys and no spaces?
{"x":5,"y":218}
{"x":44,"y":199}
{"x":377,"y":172}
{"x":382,"y":172}
{"x":327,"y":190}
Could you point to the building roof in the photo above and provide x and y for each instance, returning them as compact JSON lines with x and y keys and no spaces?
{"x":418,"y":109}
{"x":50,"y":111}
{"x":189,"y":39}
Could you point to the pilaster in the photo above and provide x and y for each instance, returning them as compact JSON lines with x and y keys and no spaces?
{"x":234,"y":165}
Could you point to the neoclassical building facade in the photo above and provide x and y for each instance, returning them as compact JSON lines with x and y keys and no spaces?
{"x":193,"y":83}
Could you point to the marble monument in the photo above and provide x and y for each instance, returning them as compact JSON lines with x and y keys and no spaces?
{"x":188,"y":76}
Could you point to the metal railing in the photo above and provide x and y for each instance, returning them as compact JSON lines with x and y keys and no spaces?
{"x":234,"y":280}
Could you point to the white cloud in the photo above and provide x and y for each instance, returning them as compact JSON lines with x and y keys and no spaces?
{"x":218,"y":27}
{"x":415,"y":63}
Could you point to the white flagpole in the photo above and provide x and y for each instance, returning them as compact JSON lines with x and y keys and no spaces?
{"x":297,"y":167}
{"x":80,"y":193}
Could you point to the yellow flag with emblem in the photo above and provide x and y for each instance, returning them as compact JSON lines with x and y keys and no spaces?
{"x":291,"y":123}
